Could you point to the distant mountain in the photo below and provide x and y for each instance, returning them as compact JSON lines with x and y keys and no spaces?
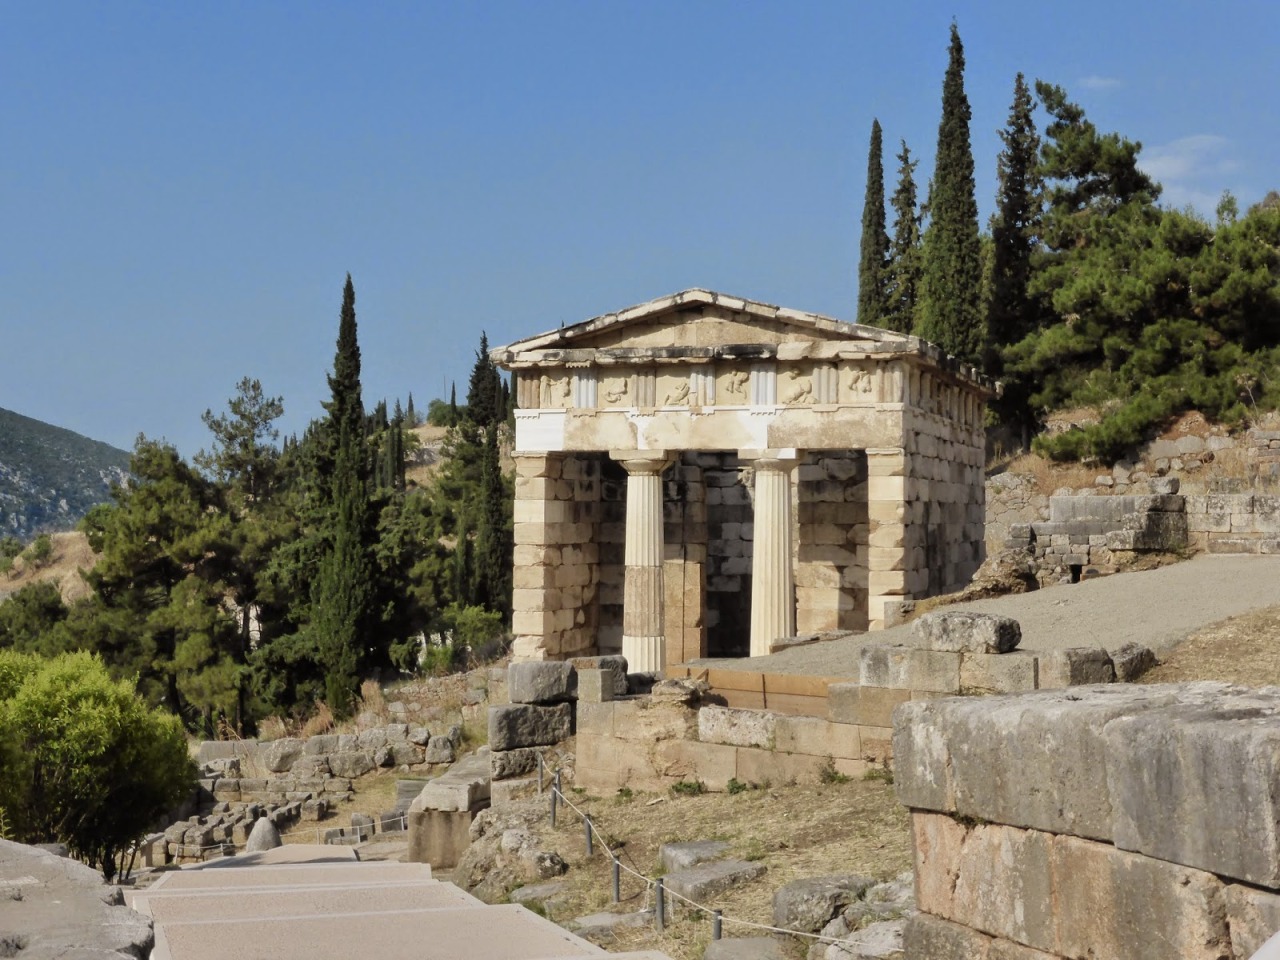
{"x":50,"y":477}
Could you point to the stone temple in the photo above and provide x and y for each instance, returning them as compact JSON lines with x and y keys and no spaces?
{"x":702,"y":475}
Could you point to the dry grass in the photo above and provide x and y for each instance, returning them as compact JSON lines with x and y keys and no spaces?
{"x":71,"y":555}
{"x":1048,"y":475}
{"x":1243,"y":650}
{"x":795,"y":831}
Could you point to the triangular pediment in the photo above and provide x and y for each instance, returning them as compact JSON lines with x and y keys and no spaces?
{"x":696,"y":319}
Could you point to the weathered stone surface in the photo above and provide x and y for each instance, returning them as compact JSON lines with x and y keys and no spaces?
{"x":527,"y":725}
{"x":406,"y":754}
{"x":1123,"y":905}
{"x":1200,"y":785}
{"x":603,"y":927}
{"x":809,"y":905}
{"x":322,"y":744}
{"x":739,"y":728}
{"x":596,"y":686}
{"x":964,"y":632}
{"x":440,"y":749}
{"x":927,"y":937}
{"x":1017,"y":671}
{"x":881,"y":940}
{"x":681,"y":690}
{"x":350,"y":765}
{"x":1131,"y":661}
{"x":1004,"y":884}
{"x":465,"y":786}
{"x":864,"y":706}
{"x":615,"y":664}
{"x":504,"y":764}
{"x":745,"y":948}
{"x":540,"y":681}
{"x":909,"y":668}
{"x":263,"y":836}
{"x":680,"y":856}
{"x":548,"y":895}
{"x":1253,"y":917}
{"x":1077,"y":666}
{"x":279,"y":755}
{"x":708,"y":880}
{"x":311,"y":765}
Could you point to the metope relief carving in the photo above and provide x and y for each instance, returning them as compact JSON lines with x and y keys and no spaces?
{"x":797,"y":388}
{"x":735,"y":386}
{"x":617,"y":390}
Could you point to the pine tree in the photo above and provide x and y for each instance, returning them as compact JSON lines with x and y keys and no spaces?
{"x":874,"y":249}
{"x":902,"y":275}
{"x":342,"y":596}
{"x":951,"y":312}
{"x":1015,"y":229}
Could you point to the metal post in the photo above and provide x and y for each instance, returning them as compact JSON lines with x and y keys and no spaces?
{"x":553,"y":808}
{"x":617,"y":881}
{"x":716,"y":924}
{"x":660,"y":906}
{"x":586,"y":822}
{"x":539,"y":774}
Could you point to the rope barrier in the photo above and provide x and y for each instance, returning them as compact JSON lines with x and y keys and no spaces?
{"x":661,"y":890}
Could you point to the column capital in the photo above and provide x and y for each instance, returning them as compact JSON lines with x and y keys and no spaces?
{"x":781,"y":458}
{"x":643,"y":461}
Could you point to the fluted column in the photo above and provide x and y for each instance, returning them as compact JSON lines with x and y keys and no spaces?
{"x":643,"y":640}
{"x":773,"y":610}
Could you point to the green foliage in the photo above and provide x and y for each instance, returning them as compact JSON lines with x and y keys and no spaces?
{"x":30,"y":617}
{"x":902,"y":273}
{"x":828,"y":773}
{"x":736,"y":786}
{"x":39,"y":553}
{"x":688,"y":788}
{"x":882,"y":774}
{"x":950,"y":308}
{"x":10,"y":547}
{"x":86,"y":762}
{"x":874,"y":249}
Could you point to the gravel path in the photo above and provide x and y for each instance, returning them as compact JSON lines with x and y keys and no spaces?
{"x":1156,"y":608}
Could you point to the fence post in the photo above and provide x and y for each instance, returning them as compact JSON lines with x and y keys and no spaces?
{"x":586,"y":821}
{"x":539,"y":774}
{"x":660,"y":906}
{"x":716,"y":916}
{"x":617,"y":881}
{"x":553,"y":808}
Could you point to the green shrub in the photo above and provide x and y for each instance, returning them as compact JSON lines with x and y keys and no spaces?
{"x":688,"y":788}
{"x":736,"y":786}
{"x":828,"y":773}
{"x":87,"y":763}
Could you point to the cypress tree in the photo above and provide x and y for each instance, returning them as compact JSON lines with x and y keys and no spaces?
{"x":902,"y":275}
{"x":453,"y":404}
{"x":484,"y":389}
{"x":1015,"y":230}
{"x":951,"y":291}
{"x":342,"y":595}
{"x":492,"y":557}
{"x":874,"y":250}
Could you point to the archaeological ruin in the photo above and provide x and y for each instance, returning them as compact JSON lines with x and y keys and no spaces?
{"x":702,"y":475}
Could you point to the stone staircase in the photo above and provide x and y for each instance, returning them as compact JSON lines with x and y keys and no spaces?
{"x":314,"y":903}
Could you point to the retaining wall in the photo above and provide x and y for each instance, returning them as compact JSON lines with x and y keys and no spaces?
{"x":1122,"y":822}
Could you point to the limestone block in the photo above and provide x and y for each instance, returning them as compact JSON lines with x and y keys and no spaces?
{"x":1110,"y":903}
{"x":527,"y":725}
{"x":927,"y":936}
{"x":864,"y":706}
{"x":353,"y":764}
{"x":937,"y":842}
{"x":713,"y":763}
{"x":975,"y":756}
{"x":279,"y":755}
{"x":507,"y":764}
{"x":756,"y":766}
{"x":739,"y":728}
{"x":967,"y":632}
{"x":819,"y":738}
{"x":1131,"y":661}
{"x":810,"y":904}
{"x":1014,"y":672}
{"x":1200,"y":785}
{"x":706,"y":881}
{"x":647,"y":721}
{"x":1075,"y":667}
{"x":1253,"y":916}
{"x":595,"y":718}
{"x":1004,"y":885}
{"x":548,"y":681}
{"x":680,"y":856}
{"x":909,"y":668}
{"x":616,"y":664}
{"x":595,"y":686}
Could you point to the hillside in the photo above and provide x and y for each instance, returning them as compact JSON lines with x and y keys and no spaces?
{"x":50,"y":477}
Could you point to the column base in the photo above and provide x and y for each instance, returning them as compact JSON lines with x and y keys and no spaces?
{"x":644,"y":654}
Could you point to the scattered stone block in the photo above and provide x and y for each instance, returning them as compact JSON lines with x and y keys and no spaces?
{"x":863,"y":706}
{"x":1131,"y":661}
{"x":263,"y":836}
{"x":548,"y":895}
{"x":909,"y":668}
{"x":708,"y":880}
{"x":681,"y":856}
{"x":1014,"y":672}
{"x":964,"y":632}
{"x":1077,"y":666}
{"x":745,"y":948}
{"x":809,"y":905}
{"x":350,"y":765}
{"x":440,"y":749}
{"x":596,"y":686}
{"x":603,"y":927}
{"x":528,"y":725}
{"x":540,"y":681}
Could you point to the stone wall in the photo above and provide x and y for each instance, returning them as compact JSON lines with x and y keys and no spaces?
{"x":831,"y":573}
{"x":1133,"y":823}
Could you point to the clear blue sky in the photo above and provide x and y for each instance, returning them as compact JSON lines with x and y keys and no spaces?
{"x":185,"y":185}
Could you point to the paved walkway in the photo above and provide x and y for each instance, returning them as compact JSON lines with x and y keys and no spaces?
{"x":339,"y":910}
{"x":1155,"y":608}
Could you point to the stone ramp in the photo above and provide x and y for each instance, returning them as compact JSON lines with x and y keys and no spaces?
{"x":317,"y":911}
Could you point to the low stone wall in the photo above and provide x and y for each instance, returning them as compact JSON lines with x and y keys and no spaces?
{"x":1234,"y":522}
{"x":1134,"y":823}
{"x":287,"y":769}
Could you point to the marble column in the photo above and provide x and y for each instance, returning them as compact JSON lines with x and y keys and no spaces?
{"x":773,"y":605}
{"x":643,"y":640}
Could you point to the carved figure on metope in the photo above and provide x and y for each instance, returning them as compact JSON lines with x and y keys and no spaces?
{"x":679,"y":395}
{"x":737,"y":384}
{"x":801,"y":389}
{"x":544,"y":391}
{"x":859,"y":382}
{"x":616,"y":396}
{"x":566,"y":387}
